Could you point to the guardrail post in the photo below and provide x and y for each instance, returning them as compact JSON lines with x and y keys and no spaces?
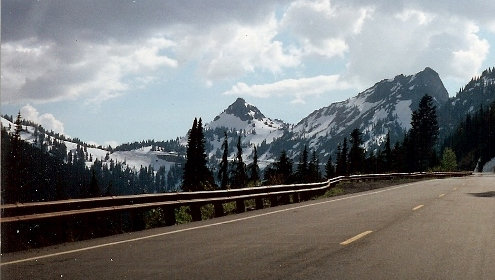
{"x":169,"y":216}
{"x":285,"y":199}
{"x":240,"y":206}
{"x":218,"y":209}
{"x":295,"y":198}
{"x":273,"y":200}
{"x":259,"y":203}
{"x":195,"y":212}
{"x":304,"y":196}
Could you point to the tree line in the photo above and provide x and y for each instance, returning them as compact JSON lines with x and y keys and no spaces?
{"x":48,"y":171}
{"x":45,"y":170}
{"x":417,"y":152}
{"x":231,"y":174}
{"x":473,"y":142}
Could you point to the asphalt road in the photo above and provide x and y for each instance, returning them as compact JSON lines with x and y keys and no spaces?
{"x":437,"y":229}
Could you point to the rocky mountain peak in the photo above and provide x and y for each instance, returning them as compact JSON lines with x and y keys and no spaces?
{"x":243,"y":110}
{"x":429,"y":81}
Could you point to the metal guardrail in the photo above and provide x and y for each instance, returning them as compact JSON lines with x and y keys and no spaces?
{"x":63,"y":209}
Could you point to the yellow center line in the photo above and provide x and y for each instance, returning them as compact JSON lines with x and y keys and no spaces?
{"x":417,"y":207}
{"x":441,"y":195}
{"x":361,"y":235}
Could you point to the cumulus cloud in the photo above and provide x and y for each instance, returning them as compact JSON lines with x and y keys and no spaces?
{"x":412,"y":39}
{"x":322,"y":26}
{"x":91,"y":50}
{"x":297,"y":89}
{"x":235,"y":49}
{"x":33,"y":71}
{"x":47,"y":120}
{"x":53,"y":51}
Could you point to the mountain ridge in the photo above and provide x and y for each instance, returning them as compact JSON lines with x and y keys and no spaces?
{"x":384,"y":107}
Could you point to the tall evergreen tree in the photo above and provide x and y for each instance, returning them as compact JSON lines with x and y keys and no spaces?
{"x":239,"y":177}
{"x":93,"y":190}
{"x":18,"y":127}
{"x":329,"y":168}
{"x":223,"y":173}
{"x":254,"y":170}
{"x":423,"y":135}
{"x":302,"y":167}
{"x":284,"y":167}
{"x":342,"y":162}
{"x":356,"y":153}
{"x":314,"y":168}
{"x":387,"y":154}
{"x":197,"y":176}
{"x":280,"y":172}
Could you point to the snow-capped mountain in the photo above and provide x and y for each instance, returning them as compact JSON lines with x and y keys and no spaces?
{"x":248,"y":120}
{"x":245,"y":120}
{"x":384,"y":107}
{"x":135,"y":159}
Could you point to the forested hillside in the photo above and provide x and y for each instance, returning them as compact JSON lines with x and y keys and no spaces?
{"x":474,"y":139}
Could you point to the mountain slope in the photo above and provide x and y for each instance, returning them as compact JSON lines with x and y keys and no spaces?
{"x":480,"y":91}
{"x":245,"y":120}
{"x":143,"y":156}
{"x":385,"y":107}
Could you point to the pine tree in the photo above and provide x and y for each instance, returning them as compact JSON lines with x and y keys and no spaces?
{"x":423,"y":135}
{"x":223,"y":173}
{"x":18,"y":166}
{"x":280,"y":172}
{"x":342,"y":163}
{"x":197,"y":176}
{"x":191,"y":179}
{"x":329,"y":168}
{"x":93,"y":185}
{"x":449,"y":160}
{"x":356,"y":153}
{"x":302,"y":167}
{"x":387,"y":154}
{"x":254,"y":170}
{"x":239,"y":177}
{"x":18,"y":127}
{"x":314,"y":168}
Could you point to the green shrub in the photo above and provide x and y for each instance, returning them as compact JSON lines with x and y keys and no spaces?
{"x":154,"y":218}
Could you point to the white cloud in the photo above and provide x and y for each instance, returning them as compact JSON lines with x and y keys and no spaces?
{"x":231,"y":50}
{"x":468,"y":60}
{"x":411,"y":40}
{"x":322,"y":26}
{"x":415,"y":16}
{"x":35,"y":71}
{"x":384,"y":40}
{"x":92,"y":52}
{"x":47,"y":120}
{"x":297,"y":89}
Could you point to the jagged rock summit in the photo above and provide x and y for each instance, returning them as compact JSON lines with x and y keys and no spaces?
{"x":242,"y":116}
{"x":243,"y":110}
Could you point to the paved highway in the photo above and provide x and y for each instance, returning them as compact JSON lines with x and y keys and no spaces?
{"x":436,"y":229}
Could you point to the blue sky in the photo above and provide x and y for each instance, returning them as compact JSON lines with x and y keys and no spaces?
{"x":111,"y":72}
